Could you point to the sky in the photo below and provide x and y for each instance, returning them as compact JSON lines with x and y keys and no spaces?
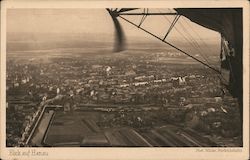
{"x":58,"y":20}
{"x":97,"y":21}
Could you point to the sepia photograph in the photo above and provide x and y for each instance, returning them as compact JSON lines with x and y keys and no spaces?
{"x":126,"y":77}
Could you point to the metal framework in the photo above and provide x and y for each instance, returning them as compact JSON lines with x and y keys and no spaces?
{"x":148,"y":14}
{"x":164,"y":39}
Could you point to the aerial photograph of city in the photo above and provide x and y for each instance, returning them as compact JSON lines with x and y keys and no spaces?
{"x":123,"y":77}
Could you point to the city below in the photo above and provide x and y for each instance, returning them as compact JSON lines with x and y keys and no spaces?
{"x":140,"y":97}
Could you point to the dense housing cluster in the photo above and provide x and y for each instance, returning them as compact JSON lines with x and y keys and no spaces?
{"x":137,"y":90}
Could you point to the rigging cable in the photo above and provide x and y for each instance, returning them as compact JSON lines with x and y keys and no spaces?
{"x":205,"y":44}
{"x":195,"y":43}
{"x":214,"y":69}
{"x":192,"y":44}
{"x":172,"y":25}
{"x":144,"y":16}
{"x":199,"y":47}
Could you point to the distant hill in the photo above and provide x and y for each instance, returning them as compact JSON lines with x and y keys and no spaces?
{"x":44,"y":41}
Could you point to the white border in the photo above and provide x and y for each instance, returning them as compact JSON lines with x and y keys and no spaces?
{"x":128,"y":153}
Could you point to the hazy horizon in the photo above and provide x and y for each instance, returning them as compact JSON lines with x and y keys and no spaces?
{"x":95,"y":21}
{"x":43,"y":28}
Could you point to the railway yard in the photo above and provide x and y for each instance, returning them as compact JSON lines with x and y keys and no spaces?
{"x":85,"y":128}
